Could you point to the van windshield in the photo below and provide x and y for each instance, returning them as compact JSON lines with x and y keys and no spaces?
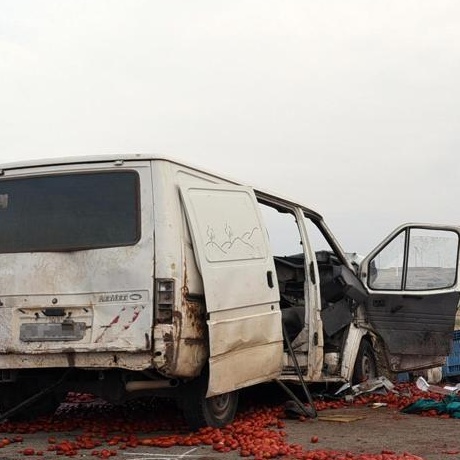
{"x":69,"y":212}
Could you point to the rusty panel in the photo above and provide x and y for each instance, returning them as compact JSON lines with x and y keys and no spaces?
{"x":193,"y":345}
{"x":181,"y":349}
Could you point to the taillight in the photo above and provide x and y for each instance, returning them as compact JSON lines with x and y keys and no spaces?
{"x":164,"y":300}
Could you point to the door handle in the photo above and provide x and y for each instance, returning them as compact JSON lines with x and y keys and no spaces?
{"x":270,"y":279}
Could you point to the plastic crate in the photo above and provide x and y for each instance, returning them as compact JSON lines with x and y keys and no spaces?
{"x":403,"y":377}
{"x":452,"y":366}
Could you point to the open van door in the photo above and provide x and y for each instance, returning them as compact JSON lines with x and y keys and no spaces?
{"x":241,"y":289}
{"x":412,"y":279}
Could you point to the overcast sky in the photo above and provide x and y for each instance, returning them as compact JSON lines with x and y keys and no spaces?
{"x":350,"y":107}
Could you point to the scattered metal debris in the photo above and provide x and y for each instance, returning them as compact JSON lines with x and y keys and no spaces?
{"x":378,"y":385}
{"x":423,"y":385}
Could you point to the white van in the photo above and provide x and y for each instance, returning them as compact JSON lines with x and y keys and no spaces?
{"x":128,"y":276}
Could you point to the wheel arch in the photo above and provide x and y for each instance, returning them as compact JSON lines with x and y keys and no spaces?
{"x":200,"y":410}
{"x":351,"y":350}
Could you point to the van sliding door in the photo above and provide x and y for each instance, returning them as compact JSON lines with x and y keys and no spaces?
{"x":242,"y":297}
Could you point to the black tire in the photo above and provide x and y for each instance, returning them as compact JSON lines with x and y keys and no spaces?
{"x":366,"y":363}
{"x":199,"y":411}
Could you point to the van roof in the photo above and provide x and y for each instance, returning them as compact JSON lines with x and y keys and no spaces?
{"x":81,"y":159}
{"x":126,"y":157}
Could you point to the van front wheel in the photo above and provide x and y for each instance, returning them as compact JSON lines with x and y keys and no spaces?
{"x":216,"y":411}
{"x":366,"y":363}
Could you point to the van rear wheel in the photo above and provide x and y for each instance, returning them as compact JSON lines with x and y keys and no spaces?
{"x":216,"y":411}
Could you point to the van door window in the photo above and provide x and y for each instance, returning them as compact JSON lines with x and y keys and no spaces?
{"x":416,"y":260}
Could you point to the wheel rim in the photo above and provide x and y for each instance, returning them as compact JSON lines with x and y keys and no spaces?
{"x":368,"y":367}
{"x":219,"y":405}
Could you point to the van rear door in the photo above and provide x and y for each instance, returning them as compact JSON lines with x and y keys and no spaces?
{"x":412,"y":278}
{"x":242,"y":297}
{"x":76,"y":251}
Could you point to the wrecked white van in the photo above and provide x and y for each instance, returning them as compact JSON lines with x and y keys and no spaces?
{"x":129,"y":276}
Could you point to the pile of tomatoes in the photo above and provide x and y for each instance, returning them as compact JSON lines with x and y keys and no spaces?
{"x":257,"y":433}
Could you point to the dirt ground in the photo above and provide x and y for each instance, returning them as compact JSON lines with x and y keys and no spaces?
{"x":432,"y":438}
{"x":359,"y":430}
